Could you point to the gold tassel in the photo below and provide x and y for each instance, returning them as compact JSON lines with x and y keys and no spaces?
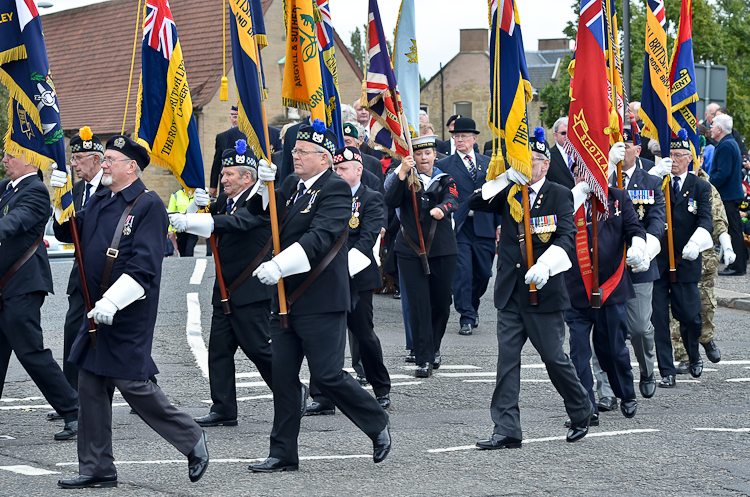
{"x":224,"y":94}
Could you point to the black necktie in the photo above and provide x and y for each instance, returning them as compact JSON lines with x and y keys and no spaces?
{"x":87,"y":195}
{"x":676,"y":186}
{"x":8,"y":189}
{"x":300,"y":191}
{"x":230,"y":204}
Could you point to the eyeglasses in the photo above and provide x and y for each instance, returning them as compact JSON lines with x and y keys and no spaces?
{"x":538,"y":158}
{"x":563,"y":133}
{"x":674,"y":156}
{"x":462,"y":136}
{"x":110,"y":160}
{"x":78,"y":158}
{"x":297,"y":151}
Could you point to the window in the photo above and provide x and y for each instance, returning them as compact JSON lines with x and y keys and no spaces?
{"x":462,"y":109}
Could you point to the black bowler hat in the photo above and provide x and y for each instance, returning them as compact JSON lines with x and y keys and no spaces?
{"x":130,"y":149}
{"x":465,"y":125}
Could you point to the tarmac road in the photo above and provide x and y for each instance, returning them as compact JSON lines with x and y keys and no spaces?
{"x":691,"y":440}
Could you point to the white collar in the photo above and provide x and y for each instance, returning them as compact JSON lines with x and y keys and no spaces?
{"x":311,"y":181}
{"x":470,"y":154}
{"x":15,"y":183}
{"x":562,"y":151}
{"x":238,"y":197}
{"x":538,"y":185}
{"x":96,"y":179}
{"x":681,"y":176}
{"x":355,"y":188}
{"x":112,"y":194}
{"x":629,"y":172}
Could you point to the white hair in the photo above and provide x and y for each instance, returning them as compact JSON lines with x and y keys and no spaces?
{"x":562,"y":120}
{"x":423,"y":112}
{"x":243,"y":170}
{"x":322,"y":149}
{"x":348,"y":113}
{"x":725,"y":122}
{"x":138,"y":171}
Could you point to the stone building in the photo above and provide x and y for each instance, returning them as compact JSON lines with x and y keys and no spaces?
{"x":90,"y":51}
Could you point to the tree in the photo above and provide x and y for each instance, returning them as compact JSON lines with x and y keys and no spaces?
{"x":357,"y":47}
{"x":556,"y":94}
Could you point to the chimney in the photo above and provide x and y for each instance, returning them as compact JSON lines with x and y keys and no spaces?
{"x":554,"y":44}
{"x":474,"y":40}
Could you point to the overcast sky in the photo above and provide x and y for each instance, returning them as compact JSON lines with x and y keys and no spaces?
{"x":438,"y":22}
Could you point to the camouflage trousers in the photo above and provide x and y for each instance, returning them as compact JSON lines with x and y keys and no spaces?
{"x":708,"y":305}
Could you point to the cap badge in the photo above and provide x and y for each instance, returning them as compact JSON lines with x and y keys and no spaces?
{"x":348,"y":155}
{"x":318,"y":137}
{"x":119,"y":142}
{"x":239,"y":159}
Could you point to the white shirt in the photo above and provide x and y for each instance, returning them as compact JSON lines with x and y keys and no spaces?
{"x":563,"y":153}
{"x":453,"y":146}
{"x":355,"y":188}
{"x":463,"y":158}
{"x":94,"y":185}
{"x":14,"y":184}
{"x":682,"y":177}
{"x":626,"y":180}
{"x":309,"y":183}
{"x":534,"y":190}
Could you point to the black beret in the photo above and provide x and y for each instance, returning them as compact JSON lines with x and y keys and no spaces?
{"x":131,"y":149}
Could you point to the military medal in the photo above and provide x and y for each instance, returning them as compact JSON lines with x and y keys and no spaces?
{"x":641,"y":212}
{"x":128,"y":227}
{"x":354,"y":221}
{"x":692,"y":206}
{"x":313,"y":196}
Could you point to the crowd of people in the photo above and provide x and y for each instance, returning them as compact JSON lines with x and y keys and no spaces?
{"x":351,"y":222}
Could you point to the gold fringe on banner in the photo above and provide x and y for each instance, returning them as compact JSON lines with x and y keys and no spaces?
{"x":224,"y":93}
{"x":13,"y":54}
{"x":17,"y":93}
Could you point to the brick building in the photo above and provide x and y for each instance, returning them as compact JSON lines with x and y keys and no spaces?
{"x":90,"y":51}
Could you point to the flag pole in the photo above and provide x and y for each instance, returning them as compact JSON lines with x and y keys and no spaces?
{"x":82,"y":277}
{"x":596,"y":293}
{"x":533,"y":295}
{"x":670,"y":239}
{"x":611,"y":59}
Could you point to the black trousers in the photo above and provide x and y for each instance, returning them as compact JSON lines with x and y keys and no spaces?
{"x":21,"y":332}
{"x":95,"y":457}
{"x":686,"y":308}
{"x":321,"y":338}
{"x":74,"y":319}
{"x":247,"y":328}
{"x":429,"y":298}
{"x":473,"y":271}
{"x":735,"y":232}
{"x":186,"y":244}
{"x":360,"y":324}
{"x":610,"y":325}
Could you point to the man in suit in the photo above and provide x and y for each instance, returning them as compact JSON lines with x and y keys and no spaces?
{"x":367,"y":218}
{"x":243,"y":241}
{"x":314,"y":211}
{"x":221,"y":144}
{"x":517,"y":320}
{"x":561,"y":165}
{"x":692,"y":224}
{"x":448,"y":147}
{"x":607,"y":318}
{"x":363,"y":118}
{"x":24,"y":211}
{"x":122,"y":238}
{"x":475,"y":231}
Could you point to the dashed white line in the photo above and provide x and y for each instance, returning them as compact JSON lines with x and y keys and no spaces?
{"x":230,"y":461}
{"x":247,"y":375}
{"x":46,"y":406}
{"x":6,"y":437}
{"x":492,"y":380}
{"x":459,"y":375}
{"x":731,"y":430}
{"x":28,"y":470}
{"x":250,"y":384}
{"x":737,"y":380}
{"x":200,"y":268}
{"x":25,"y":399}
{"x":194,"y":334}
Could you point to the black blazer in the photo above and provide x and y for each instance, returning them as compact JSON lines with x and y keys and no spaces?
{"x":371,"y":218}
{"x":441,"y":194}
{"x":240,"y":236}
{"x":553,"y":199}
{"x":614,"y":233}
{"x":290,"y":140}
{"x":78,"y":205}
{"x":316,"y":220}
{"x":23,"y":215}
{"x":685,"y":223}
{"x":558,"y":169}
{"x":370,"y":163}
{"x":651,"y":216}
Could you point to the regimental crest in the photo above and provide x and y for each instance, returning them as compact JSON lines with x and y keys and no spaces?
{"x":318,"y":137}
{"x":348,"y":155}
{"x":119,"y":142}
{"x":88,"y":145}
{"x":239,"y":159}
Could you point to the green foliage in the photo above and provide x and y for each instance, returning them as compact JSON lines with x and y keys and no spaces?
{"x":556,"y":95}
{"x":357,"y":47}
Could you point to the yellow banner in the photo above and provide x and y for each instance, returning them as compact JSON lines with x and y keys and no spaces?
{"x":302,"y":86}
{"x":656,"y":51}
{"x":245,"y":31}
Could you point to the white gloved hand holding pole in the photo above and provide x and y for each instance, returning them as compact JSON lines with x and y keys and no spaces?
{"x":266,"y":171}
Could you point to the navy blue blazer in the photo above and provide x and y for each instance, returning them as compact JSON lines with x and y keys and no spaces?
{"x":651,"y":216}
{"x":726,"y":169}
{"x":485,"y":223}
{"x":23,"y":215}
{"x":613,"y":234}
{"x":371,"y":216}
{"x":123,"y":349}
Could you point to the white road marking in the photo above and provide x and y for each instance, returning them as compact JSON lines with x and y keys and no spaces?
{"x":735,"y":380}
{"x":243,"y":399}
{"x":458,"y":366}
{"x":25,"y":399}
{"x":6,"y":437}
{"x":230,"y":461}
{"x":551,"y":439}
{"x":28,"y":470}
{"x":200,"y":268}
{"x":459,"y":375}
{"x":710,"y":369}
{"x":247,"y":375}
{"x":251,"y":384}
{"x":734,"y":363}
{"x":492,"y":380}
{"x":194,"y":334}
{"x":46,"y":406}
{"x":731,"y":430}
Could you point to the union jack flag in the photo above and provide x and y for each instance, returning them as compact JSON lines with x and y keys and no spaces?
{"x":157,"y":27}
{"x":324,"y":39}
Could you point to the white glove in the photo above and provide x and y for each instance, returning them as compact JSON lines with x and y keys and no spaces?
{"x":727,"y":252}
{"x":269,"y":273}
{"x":495,"y":186}
{"x":653,"y":246}
{"x":616,"y":154}
{"x":538,"y":275}
{"x":516,"y":176}
{"x":357,"y":262}
{"x":580,"y":194}
{"x":643,"y":266}
{"x":103,"y":312}
{"x":266,"y":171}
{"x":690,"y":251}
{"x":663,"y":168}
{"x":201,"y":198}
{"x":58,"y":179}
{"x":179,"y":222}
{"x":636,"y":254}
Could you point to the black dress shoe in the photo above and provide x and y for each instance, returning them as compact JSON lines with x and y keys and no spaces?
{"x":465,"y":329}
{"x":273,"y":465}
{"x":397,"y":295}
{"x":437,"y":361}
{"x":499,"y":442}
{"x":607,"y":404}
{"x":381,"y":445}
{"x":667,"y":382}
{"x":579,"y":429}
{"x":712,"y":351}
{"x":84,"y":481}
{"x":696,"y":368}
{"x":215,"y":419}
{"x":423,"y":370}
{"x":53,"y":416}
{"x":410,"y":357}
{"x":647,"y":386}
{"x":198,"y":459}
{"x":731,"y":272}
{"x":682,"y":367}
{"x":318,"y":409}
{"x":629,"y":407}
{"x":303,"y":401}
{"x":384,"y":401}
{"x":594,"y":421}
{"x":69,"y":431}
{"x":362,"y":380}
